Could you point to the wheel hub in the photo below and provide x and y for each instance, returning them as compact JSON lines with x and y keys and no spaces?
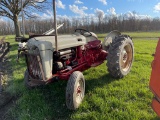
{"x":125,"y":56}
{"x":79,"y":92}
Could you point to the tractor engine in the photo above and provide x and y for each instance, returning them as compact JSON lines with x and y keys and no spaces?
{"x":91,"y":54}
{"x":95,"y":55}
{"x":63,"y":59}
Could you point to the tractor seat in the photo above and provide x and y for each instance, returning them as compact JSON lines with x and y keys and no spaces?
{"x":93,"y":44}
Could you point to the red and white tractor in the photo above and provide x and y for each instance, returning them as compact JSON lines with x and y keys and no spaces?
{"x":64,"y":57}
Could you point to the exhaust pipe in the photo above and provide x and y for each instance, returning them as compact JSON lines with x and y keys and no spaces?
{"x":55,"y":24}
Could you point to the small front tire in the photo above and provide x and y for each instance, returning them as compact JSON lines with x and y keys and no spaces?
{"x":75,"y":90}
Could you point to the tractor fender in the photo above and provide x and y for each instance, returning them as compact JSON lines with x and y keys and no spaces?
{"x":109,"y":38}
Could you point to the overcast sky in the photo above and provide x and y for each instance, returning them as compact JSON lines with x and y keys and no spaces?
{"x":79,"y":8}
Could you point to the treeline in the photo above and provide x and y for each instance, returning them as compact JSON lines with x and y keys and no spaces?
{"x":97,"y":25}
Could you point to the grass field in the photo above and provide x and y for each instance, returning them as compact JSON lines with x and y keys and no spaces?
{"x":106,"y":98}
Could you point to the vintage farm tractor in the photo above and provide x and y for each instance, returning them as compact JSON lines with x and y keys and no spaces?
{"x":64,"y":57}
{"x":155,"y":80}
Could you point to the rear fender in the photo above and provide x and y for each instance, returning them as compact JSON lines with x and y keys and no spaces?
{"x":109,"y":38}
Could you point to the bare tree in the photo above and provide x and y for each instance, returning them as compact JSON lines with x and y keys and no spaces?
{"x":12,"y":9}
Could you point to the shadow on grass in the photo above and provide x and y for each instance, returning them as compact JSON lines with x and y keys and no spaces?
{"x":48,"y":102}
{"x":156,"y":118}
{"x":143,"y":53}
{"x":98,"y":82}
{"x":55,"y":95}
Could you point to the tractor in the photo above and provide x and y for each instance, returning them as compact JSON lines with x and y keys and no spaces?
{"x":63,"y":57}
{"x":75,"y":54}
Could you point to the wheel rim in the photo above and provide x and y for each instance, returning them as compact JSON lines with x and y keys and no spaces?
{"x":79,"y":91}
{"x":126,"y":57}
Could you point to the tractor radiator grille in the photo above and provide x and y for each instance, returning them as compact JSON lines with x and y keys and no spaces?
{"x":34,"y":64}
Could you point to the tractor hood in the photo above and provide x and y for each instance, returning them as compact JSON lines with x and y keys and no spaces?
{"x":64,"y":41}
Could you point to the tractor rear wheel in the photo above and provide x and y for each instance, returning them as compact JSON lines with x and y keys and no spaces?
{"x":75,"y":90}
{"x":120,"y":56}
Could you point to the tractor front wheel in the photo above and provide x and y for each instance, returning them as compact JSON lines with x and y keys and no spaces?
{"x":120,"y":56}
{"x":75,"y":90}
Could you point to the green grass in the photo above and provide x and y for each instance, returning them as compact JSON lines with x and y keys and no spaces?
{"x":142,"y":35}
{"x":106,"y":98}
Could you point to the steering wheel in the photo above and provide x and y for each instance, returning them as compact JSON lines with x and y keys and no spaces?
{"x":83,"y":31}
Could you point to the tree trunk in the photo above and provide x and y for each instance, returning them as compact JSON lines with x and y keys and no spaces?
{"x":16,"y":25}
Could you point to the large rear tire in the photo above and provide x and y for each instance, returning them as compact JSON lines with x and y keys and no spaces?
{"x":75,"y":90}
{"x":120,"y":56}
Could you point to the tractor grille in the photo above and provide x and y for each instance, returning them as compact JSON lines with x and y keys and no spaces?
{"x":34,"y":64}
